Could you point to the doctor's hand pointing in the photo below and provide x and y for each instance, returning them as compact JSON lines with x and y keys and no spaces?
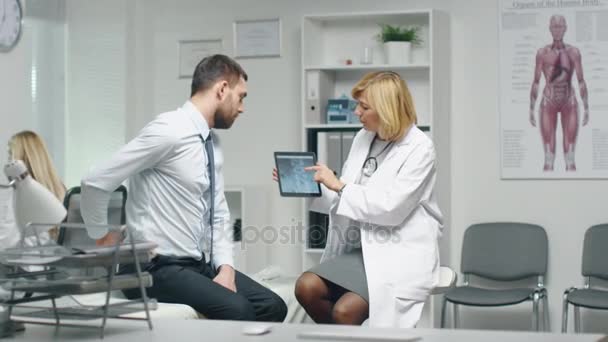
{"x":326,"y":176}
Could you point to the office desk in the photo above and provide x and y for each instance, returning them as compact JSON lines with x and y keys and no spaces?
{"x":170,"y":330}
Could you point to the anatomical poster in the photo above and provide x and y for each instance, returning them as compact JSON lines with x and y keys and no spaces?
{"x":553,"y":88}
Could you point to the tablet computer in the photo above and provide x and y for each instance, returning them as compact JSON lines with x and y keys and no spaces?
{"x":294,"y":181}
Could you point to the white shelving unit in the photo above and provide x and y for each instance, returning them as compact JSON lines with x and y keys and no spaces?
{"x":235,"y":197}
{"x":329,"y":40}
{"x":249,"y":203}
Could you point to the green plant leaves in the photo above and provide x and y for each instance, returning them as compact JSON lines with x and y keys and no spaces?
{"x":391,"y":33}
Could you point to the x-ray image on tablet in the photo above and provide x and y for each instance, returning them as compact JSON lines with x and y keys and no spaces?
{"x":294,"y":181}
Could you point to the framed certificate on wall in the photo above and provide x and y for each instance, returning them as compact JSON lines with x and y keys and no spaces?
{"x":191,"y":52}
{"x":257,"y":38}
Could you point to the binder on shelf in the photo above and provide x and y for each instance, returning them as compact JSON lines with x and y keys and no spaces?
{"x":319,"y":87}
{"x":321,"y":148}
{"x":312,"y":85}
{"x":347,"y":142}
{"x":313,"y":99}
{"x":334,"y":152}
{"x":332,"y":149}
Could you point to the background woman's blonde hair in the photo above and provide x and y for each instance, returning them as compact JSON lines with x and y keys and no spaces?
{"x":387,"y":93}
{"x":29,"y":147}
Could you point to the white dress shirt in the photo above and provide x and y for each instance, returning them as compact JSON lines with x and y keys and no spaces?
{"x":168,"y":199}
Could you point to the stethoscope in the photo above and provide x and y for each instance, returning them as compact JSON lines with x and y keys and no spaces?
{"x":371,"y":163}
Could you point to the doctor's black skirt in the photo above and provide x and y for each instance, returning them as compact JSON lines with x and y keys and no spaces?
{"x":347,"y":271}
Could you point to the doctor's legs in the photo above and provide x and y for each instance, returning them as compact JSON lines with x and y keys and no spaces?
{"x":314,"y":296}
{"x":350,"y":309}
{"x":326,"y":302}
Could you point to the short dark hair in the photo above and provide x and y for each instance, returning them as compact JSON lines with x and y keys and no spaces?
{"x":214,"y":68}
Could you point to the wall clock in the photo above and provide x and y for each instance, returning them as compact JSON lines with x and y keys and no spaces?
{"x":10,"y":24}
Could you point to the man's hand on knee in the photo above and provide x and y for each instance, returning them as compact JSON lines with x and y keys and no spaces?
{"x":226,"y":277}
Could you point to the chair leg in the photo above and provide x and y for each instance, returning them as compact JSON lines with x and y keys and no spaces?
{"x":565,"y":313}
{"x":577,"y":319}
{"x":444,"y":304}
{"x":535,"y":320}
{"x":456,"y":318}
{"x":547,"y":322}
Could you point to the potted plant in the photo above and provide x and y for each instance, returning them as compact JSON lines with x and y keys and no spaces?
{"x":398,"y":42}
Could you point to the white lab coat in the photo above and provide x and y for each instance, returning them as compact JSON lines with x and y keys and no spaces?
{"x":400,"y":226}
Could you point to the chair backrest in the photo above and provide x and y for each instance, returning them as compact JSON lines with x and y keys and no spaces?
{"x":505,"y":251}
{"x":594,"y":252}
{"x":79,"y":237}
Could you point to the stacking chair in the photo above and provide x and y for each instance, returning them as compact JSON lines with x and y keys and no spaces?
{"x":78,"y":237}
{"x":502,"y":252}
{"x":594,"y":266}
{"x":71,"y":201}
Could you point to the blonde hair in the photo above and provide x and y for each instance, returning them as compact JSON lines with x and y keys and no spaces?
{"x":390,"y":97}
{"x":29,"y":147}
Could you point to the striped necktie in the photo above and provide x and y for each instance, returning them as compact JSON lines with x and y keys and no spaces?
{"x":211,"y":172}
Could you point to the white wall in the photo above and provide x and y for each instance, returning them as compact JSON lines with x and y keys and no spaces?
{"x":564,"y":208}
{"x":15,"y":89}
{"x":32,"y":79}
{"x":96,"y":83}
{"x":271,"y":120}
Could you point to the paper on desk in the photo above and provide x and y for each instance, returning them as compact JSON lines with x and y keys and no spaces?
{"x":33,"y":260}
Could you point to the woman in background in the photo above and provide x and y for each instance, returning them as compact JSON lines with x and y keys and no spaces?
{"x":31,"y":149}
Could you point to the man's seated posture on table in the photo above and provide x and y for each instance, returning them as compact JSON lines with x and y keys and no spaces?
{"x":176,"y":199}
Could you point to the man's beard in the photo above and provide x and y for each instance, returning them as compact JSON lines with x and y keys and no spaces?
{"x":222,"y":120}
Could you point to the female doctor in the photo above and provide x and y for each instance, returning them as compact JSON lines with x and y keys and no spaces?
{"x":381,"y":259}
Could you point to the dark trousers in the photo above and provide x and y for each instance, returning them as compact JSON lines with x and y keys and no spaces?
{"x":189,"y":281}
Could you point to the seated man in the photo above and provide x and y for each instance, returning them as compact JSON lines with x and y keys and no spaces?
{"x":176,"y":199}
